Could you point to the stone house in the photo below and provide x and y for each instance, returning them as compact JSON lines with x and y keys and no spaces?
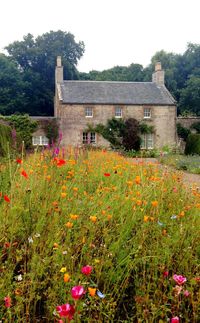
{"x":82,"y":103}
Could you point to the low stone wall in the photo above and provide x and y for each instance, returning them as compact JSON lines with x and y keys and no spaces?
{"x":187,"y":121}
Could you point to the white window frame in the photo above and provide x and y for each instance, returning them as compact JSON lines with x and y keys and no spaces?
{"x":40,"y":141}
{"x":118,"y":112}
{"x":88,"y":112}
{"x":89,"y":138}
{"x":147,"y":141}
{"x":147,"y":113}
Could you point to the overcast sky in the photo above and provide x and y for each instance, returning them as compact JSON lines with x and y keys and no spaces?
{"x":115,"y":32}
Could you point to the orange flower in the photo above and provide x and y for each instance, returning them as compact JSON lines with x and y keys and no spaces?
{"x":66,"y":278}
{"x":109,"y":217}
{"x":146,"y":218}
{"x":63,"y":194}
{"x":69,"y":225}
{"x":73,"y":216}
{"x":137,"y":180}
{"x":154,"y":203}
{"x":93,"y":218}
{"x":48,"y":177}
{"x":92,"y":291}
{"x":55,"y":246}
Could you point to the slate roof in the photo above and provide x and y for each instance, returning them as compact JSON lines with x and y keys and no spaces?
{"x":103,"y":92}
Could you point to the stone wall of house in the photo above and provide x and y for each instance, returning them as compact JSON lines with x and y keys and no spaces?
{"x":73,"y":121}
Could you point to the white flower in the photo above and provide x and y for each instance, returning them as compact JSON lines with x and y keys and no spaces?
{"x":37,"y":235}
{"x":30,"y":239}
{"x":19,"y":278}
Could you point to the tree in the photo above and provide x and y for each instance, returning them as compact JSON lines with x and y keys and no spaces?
{"x":36,"y":58}
{"x":190,"y":96}
{"x":11,"y":87}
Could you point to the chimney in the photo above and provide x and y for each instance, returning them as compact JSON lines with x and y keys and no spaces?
{"x":59,"y":71}
{"x":158,"y":76}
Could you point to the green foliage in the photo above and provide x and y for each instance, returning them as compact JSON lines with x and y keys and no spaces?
{"x":190,"y":95}
{"x":51,"y":130}
{"x":196,"y":126}
{"x":120,"y":133}
{"x":193,"y":144}
{"x":36,"y":59}
{"x":12,"y":87}
{"x":182,"y":131}
{"x":190,"y":164}
{"x":145,"y":128}
{"x":24,"y":127}
{"x":5,"y":138}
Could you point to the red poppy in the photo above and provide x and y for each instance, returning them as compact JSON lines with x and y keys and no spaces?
{"x":6,"y":198}
{"x":23,"y":173}
{"x":18,"y":161}
{"x":107,"y":174}
{"x":61,"y":162}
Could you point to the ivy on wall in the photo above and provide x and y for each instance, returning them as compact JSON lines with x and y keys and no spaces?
{"x":121,"y":133}
{"x":24,"y":127}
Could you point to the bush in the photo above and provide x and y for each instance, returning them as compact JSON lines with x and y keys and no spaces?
{"x":5,"y":138}
{"x":182,"y":131}
{"x":193,"y":144}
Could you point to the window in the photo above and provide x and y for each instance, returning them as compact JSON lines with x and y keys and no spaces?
{"x":88,"y":112}
{"x":147,"y":141}
{"x":118,"y":112}
{"x":147,"y":113}
{"x":40,"y":141}
{"x":89,"y":137}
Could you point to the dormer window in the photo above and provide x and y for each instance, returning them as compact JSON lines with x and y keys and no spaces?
{"x":147,"y":113}
{"x":88,"y":112}
{"x":118,"y":112}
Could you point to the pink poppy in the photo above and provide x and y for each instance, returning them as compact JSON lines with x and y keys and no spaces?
{"x":66,"y":310}
{"x":180,"y":280}
{"x":77,"y":292}
{"x":175,"y":319}
{"x":86,"y":270}
{"x":7,"y":301}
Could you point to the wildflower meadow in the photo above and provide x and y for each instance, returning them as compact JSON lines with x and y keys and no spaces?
{"x":89,"y":236}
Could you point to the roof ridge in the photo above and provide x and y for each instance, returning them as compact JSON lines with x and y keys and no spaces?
{"x":91,"y":81}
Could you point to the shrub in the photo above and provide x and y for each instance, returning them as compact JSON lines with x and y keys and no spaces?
{"x":24,"y":127}
{"x":130,"y":136}
{"x":5,"y":138}
{"x":193,"y":144}
{"x":182,"y":131}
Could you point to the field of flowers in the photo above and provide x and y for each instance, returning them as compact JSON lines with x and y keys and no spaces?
{"x":93,"y":237}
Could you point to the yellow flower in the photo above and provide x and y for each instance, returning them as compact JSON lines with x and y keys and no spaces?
{"x":69,"y":225}
{"x":97,"y":261}
{"x":63,"y":270}
{"x":92,"y":291}
{"x":64,"y":187}
{"x":66,"y":278}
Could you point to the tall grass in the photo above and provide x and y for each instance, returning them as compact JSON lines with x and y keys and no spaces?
{"x":135,"y":225}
